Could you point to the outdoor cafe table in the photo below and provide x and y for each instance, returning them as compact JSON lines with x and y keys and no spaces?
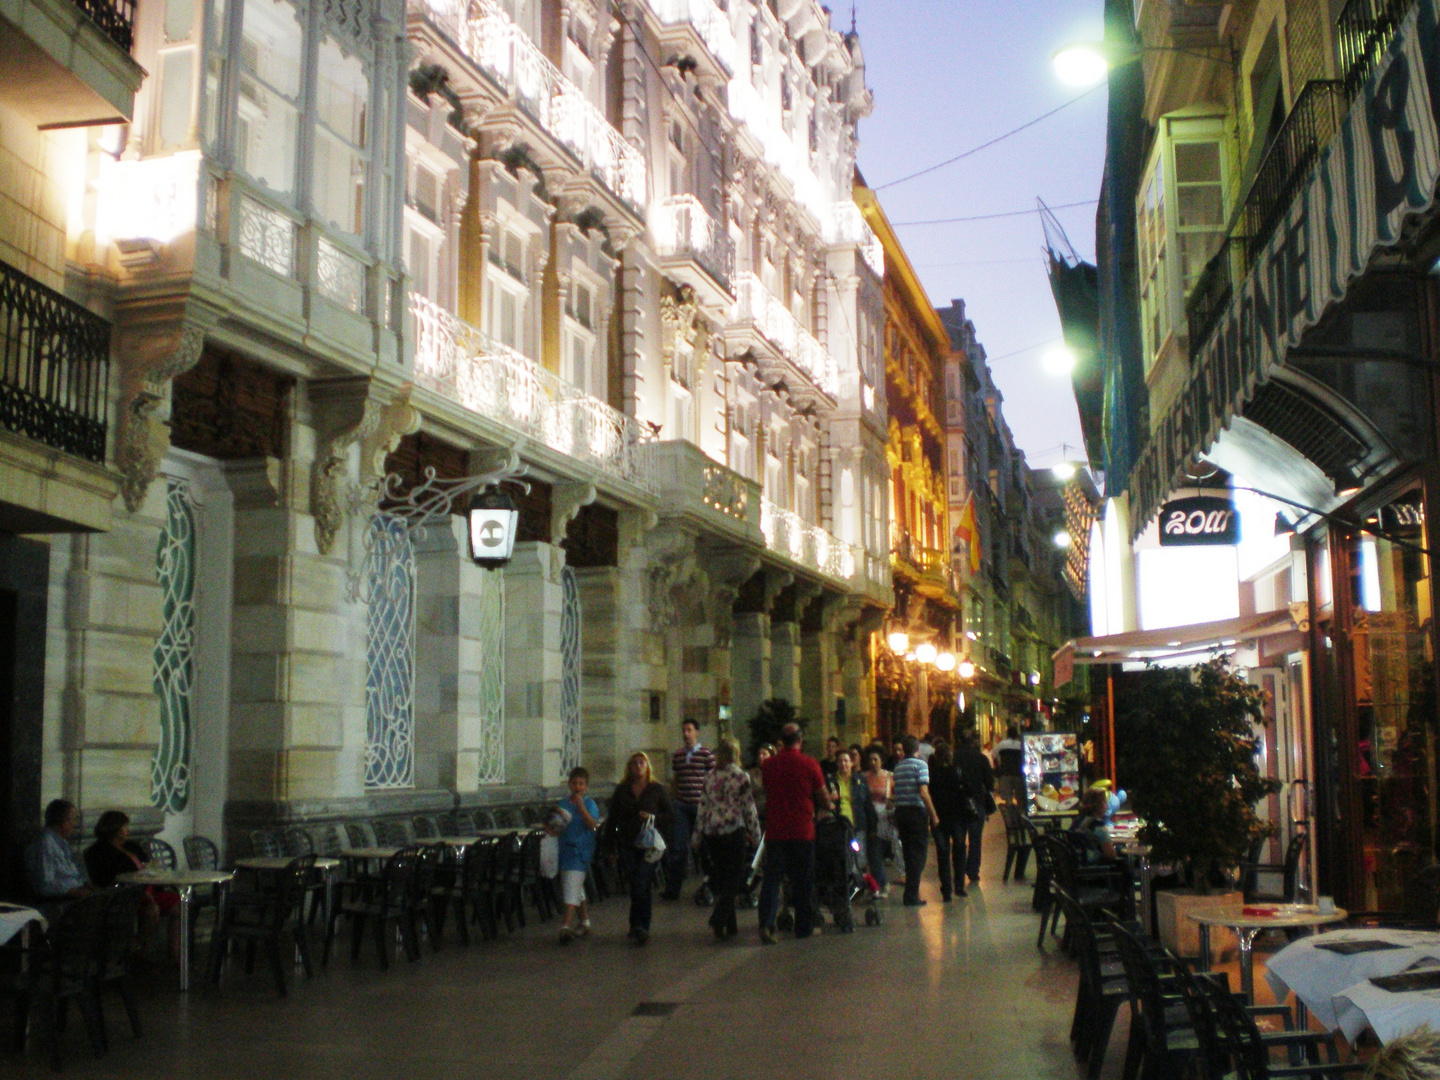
{"x":1392,"y":1010}
{"x":1246,"y":926}
{"x":1335,"y":987}
{"x":1131,"y":848}
{"x":17,"y":919}
{"x":273,"y":864}
{"x":184,"y":882}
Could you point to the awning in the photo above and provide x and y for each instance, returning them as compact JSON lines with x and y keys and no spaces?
{"x":1140,"y":646}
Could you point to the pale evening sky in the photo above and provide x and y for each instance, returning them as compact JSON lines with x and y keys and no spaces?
{"x":948,"y":75}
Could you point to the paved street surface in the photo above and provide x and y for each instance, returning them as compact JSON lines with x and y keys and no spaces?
{"x":956,"y":990}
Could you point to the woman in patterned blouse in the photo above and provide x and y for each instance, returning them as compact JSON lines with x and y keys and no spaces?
{"x":728,"y":827}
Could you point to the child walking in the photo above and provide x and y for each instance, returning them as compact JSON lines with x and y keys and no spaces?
{"x":577,"y":848}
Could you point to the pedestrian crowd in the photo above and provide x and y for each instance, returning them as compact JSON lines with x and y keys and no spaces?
{"x":872,"y":805}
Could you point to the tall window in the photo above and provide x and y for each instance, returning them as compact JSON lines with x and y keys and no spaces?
{"x":268,"y":120}
{"x":341,"y":135}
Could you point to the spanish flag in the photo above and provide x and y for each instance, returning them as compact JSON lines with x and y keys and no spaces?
{"x":967,"y":534}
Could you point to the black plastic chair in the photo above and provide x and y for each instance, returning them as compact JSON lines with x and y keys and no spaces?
{"x":484,"y":819}
{"x":461,"y":823}
{"x":67,"y":970}
{"x":1234,"y":1045}
{"x":1163,"y":1042}
{"x":266,"y":917}
{"x":266,"y":844}
{"x":121,"y":928}
{"x":1017,"y":842}
{"x":161,"y":854}
{"x":1288,"y":872}
{"x":478,"y":898}
{"x":507,"y":882}
{"x":383,"y":903}
{"x":1102,"y":989}
{"x":296,"y":842}
{"x":201,"y":853}
{"x":508,"y":817}
{"x":361,"y":834}
{"x":425,"y":827}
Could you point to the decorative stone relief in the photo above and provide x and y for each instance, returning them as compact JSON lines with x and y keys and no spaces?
{"x":347,"y":412}
{"x":566,"y":499}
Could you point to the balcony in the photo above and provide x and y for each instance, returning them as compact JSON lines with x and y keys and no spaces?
{"x":67,"y":63}
{"x":694,"y":486}
{"x":459,"y":362}
{"x":1363,"y":32}
{"x":1313,"y":120}
{"x":931,"y":566}
{"x":756,"y":307}
{"x":504,"y":52}
{"x":845,"y":224}
{"x":54,"y":394}
{"x":700,"y":30}
{"x":791,"y":536}
{"x":695,"y":249}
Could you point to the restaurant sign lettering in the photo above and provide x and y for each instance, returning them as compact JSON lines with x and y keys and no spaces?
{"x":1198,"y":520}
{"x":1381,"y":165}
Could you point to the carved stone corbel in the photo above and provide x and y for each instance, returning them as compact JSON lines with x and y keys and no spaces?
{"x":672,"y":566}
{"x":347,"y":413}
{"x":151,"y":354}
{"x":566,"y":499}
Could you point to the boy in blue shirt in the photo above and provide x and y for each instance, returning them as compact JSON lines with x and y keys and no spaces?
{"x":577,"y":848}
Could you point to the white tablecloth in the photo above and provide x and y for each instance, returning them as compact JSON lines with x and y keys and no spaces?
{"x":1318,"y":975}
{"x":13,"y":919}
{"x":1390,"y":1014}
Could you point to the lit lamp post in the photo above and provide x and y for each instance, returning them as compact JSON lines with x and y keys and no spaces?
{"x":494,"y":519}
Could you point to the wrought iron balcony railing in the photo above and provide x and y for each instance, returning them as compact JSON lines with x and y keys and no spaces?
{"x":682,"y":227}
{"x":1311,"y":124}
{"x":115,"y":18}
{"x":809,"y":545}
{"x":755,"y":303}
{"x":507,"y":54}
{"x":54,"y":367}
{"x":459,"y":362}
{"x":1362,"y":34}
{"x":712,"y":24}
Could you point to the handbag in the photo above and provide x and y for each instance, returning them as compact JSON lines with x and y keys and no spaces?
{"x":650,"y":841}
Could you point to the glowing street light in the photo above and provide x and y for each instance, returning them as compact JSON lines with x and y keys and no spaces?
{"x":926,"y":653}
{"x":899,"y":642}
{"x":1081,"y":64}
{"x":1064,"y":470}
{"x":1060,"y":360}
{"x":966,"y":669}
{"x":1062,"y":539}
{"x":945,"y":662}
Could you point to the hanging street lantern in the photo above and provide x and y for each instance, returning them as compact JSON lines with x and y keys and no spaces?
{"x":494,"y":521}
{"x":899,"y":642}
{"x":945,"y":662}
{"x":966,"y":669}
{"x":926,"y":652}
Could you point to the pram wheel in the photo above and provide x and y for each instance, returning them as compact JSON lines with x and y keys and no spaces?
{"x":785,"y":921}
{"x":872,"y":917}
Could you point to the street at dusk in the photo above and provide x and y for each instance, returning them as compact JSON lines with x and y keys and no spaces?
{"x":600,"y":539}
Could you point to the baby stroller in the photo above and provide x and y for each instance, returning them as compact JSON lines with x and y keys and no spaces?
{"x":841,"y":882}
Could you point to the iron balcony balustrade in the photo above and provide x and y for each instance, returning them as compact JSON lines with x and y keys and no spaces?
{"x":54,"y":367}
{"x":461,"y":363}
{"x":790,"y":535}
{"x":684,"y":230}
{"x":1362,"y":34}
{"x":1307,"y":131}
{"x":505,"y":52}
{"x":115,"y":18}
{"x":755,"y":304}
{"x":709,"y":21}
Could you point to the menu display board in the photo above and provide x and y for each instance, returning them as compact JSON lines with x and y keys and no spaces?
{"x":1052,"y":771}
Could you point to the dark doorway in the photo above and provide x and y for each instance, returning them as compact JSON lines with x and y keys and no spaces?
{"x":24,"y":582}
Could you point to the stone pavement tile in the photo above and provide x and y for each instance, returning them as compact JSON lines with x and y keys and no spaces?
{"x":955,"y":990}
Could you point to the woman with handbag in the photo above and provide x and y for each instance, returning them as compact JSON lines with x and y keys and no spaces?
{"x":640,"y":815}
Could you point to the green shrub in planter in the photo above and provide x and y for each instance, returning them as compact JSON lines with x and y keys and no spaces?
{"x":1185,"y":747}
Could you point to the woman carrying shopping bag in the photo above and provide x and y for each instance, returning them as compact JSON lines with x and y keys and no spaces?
{"x":639,"y":813}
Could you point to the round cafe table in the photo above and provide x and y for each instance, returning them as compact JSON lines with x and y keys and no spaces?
{"x":184,"y":882}
{"x":1246,"y":926}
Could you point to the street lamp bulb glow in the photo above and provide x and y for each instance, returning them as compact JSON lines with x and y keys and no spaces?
{"x":925,"y":652}
{"x":1034,"y":678}
{"x":899,"y":642}
{"x":945,"y":662}
{"x":1065,"y":470}
{"x":966,"y":669}
{"x":1062,"y":539}
{"x":909,"y":657}
{"x":1060,"y":360}
{"x":1081,"y":64}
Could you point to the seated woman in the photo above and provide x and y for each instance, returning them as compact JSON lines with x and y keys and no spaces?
{"x":113,"y":854}
{"x":1093,"y":829}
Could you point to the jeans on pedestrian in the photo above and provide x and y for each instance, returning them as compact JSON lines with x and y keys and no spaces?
{"x":875,"y":856}
{"x":950,"y":856}
{"x":912,"y":823}
{"x":725,"y":860}
{"x":677,"y":855}
{"x":795,"y":860}
{"x":640,"y":872}
{"x":975,"y":832}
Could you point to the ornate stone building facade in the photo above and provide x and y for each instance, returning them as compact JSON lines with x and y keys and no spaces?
{"x":345,"y":260}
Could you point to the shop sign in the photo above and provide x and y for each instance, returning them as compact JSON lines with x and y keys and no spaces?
{"x":1380,"y":167}
{"x":1403,"y":516}
{"x":1200,"y":519}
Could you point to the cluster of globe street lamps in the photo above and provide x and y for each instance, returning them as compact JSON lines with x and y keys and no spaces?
{"x":927,"y":653}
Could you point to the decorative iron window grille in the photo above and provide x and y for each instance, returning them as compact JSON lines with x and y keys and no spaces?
{"x":175,"y":649}
{"x":54,"y":367}
{"x":492,"y":677}
{"x":390,"y":655}
{"x":570,"y":746}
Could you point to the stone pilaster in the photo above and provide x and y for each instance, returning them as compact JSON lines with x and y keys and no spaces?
{"x":532,"y":667}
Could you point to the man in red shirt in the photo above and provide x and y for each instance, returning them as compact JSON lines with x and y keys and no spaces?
{"x":794,"y":788}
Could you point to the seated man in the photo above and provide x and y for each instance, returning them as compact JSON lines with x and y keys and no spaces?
{"x":54,"y":872}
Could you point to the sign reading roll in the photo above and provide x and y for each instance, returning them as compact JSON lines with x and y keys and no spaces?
{"x":1200,"y":519}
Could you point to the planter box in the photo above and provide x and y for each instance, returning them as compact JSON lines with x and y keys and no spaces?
{"x":1182,"y":935}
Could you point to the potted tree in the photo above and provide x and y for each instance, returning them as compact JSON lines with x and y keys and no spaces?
{"x":1186,"y":752}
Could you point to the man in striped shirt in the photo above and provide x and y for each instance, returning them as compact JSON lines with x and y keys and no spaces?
{"x":914,"y":816}
{"x":688,"y":768}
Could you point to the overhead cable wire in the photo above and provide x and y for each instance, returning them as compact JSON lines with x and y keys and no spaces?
{"x":993,"y":217}
{"x":990,"y":143}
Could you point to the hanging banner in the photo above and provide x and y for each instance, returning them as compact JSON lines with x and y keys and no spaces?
{"x":1380,"y":166}
{"x":1200,"y":519}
